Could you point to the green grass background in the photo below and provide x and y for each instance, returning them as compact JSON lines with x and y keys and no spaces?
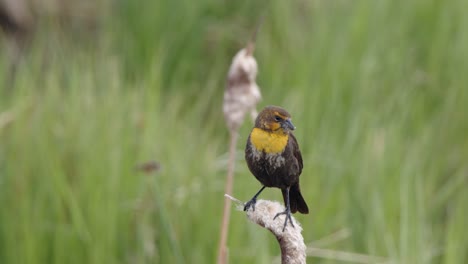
{"x":378,"y":91}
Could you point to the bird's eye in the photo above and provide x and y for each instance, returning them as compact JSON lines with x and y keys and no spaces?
{"x":277,"y":118}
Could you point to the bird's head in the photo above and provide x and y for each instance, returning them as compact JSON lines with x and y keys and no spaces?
{"x":274,"y":119}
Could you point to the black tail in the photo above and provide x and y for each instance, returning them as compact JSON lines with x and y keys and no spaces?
{"x":296,"y":201}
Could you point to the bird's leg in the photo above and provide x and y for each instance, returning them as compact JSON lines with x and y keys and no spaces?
{"x":286,"y":212}
{"x":253,"y":201}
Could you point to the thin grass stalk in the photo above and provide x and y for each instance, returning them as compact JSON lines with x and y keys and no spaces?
{"x":222,"y":249}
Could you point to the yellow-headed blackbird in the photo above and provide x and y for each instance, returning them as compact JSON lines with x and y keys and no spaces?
{"x":274,"y":158}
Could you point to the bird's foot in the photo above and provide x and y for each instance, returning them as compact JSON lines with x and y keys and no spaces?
{"x":287,"y":212}
{"x":250,"y":203}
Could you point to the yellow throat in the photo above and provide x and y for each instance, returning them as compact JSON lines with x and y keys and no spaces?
{"x":269,"y":142}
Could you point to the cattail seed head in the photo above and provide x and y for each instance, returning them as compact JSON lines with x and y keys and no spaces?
{"x":242,"y":92}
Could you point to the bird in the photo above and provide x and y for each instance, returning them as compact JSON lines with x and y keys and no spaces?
{"x":274,"y":158}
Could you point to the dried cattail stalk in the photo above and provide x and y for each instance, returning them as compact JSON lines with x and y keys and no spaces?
{"x":293,"y":249}
{"x":291,"y":242}
{"x":242,"y":92}
{"x":223,"y":250}
{"x":240,"y":97}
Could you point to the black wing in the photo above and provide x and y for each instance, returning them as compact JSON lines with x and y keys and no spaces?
{"x":296,"y":152}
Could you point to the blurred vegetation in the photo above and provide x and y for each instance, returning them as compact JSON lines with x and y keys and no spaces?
{"x":377,"y":90}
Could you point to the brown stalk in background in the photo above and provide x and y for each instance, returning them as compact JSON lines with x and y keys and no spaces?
{"x":240,"y":97}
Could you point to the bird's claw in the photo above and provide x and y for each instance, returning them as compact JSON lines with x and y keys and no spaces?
{"x":288,"y":217}
{"x":249,"y":204}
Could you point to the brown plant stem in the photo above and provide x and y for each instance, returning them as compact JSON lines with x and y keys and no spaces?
{"x":222,"y":248}
{"x":291,"y":242}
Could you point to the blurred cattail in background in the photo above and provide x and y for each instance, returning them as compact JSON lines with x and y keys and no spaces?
{"x":16,"y":26}
{"x":240,"y":97}
{"x":242,"y":92}
{"x":21,"y":21}
{"x":149,"y":167}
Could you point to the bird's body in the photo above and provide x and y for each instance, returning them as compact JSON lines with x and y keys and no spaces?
{"x":273,"y":156}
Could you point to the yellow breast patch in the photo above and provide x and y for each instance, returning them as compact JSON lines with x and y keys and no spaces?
{"x":269,"y":142}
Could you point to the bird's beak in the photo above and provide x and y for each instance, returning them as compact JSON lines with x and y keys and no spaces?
{"x":287,"y":124}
